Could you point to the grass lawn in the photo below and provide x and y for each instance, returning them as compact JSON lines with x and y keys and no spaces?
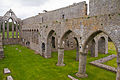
{"x":26,"y":65}
{"x":112,"y":62}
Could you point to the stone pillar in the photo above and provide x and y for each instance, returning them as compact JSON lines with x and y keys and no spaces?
{"x":101,"y":46}
{"x":94,"y":49}
{"x":13,"y":29}
{"x":16,"y":30}
{"x":7,"y":29}
{"x":106,"y":46}
{"x":77,"y":53}
{"x":20,"y":30}
{"x":82,"y":65}
{"x":49,"y":50}
{"x":3,"y":30}
{"x":118,"y":68}
{"x":60,"y":57}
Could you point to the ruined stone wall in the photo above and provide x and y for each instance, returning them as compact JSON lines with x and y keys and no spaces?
{"x":100,"y":7}
{"x":11,"y":41}
{"x":72,"y":11}
{"x":31,"y":39}
{"x":39,"y":23}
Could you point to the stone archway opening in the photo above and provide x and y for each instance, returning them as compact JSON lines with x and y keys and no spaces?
{"x":83,"y":55}
{"x":43,"y":49}
{"x":51,"y":43}
{"x":62,"y":45}
{"x":92,"y":48}
{"x":99,"y":44}
{"x":27,"y":43}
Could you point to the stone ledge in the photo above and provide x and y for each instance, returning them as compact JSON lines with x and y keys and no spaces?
{"x":71,"y":77}
{"x":99,"y":62}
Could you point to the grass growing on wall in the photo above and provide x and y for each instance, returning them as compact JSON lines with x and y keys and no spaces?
{"x":26,"y":65}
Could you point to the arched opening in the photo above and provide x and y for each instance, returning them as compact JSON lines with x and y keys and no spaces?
{"x":43,"y":49}
{"x":83,"y":56}
{"x":62,"y":45}
{"x":51,"y":43}
{"x":10,"y":28}
{"x":27,"y":43}
{"x":92,"y":48}
{"x":6,"y":23}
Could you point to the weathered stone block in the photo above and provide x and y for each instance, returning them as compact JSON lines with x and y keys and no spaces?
{"x":6,"y":71}
{"x":9,"y":78}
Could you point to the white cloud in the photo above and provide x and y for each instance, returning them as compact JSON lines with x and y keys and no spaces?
{"x":28,"y":8}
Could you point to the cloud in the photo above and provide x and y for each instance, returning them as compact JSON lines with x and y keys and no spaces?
{"x":32,"y":2}
{"x":28,"y":8}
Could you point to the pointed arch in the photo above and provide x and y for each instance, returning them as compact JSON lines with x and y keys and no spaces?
{"x":50,"y":43}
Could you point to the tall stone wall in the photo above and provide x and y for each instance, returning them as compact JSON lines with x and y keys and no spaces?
{"x":100,"y":7}
{"x":73,"y":11}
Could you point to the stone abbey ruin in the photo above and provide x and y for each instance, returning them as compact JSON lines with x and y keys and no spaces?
{"x":65,"y":29}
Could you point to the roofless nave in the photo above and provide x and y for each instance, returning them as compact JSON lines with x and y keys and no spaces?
{"x":51,"y":31}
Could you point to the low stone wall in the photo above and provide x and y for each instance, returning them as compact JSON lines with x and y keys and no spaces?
{"x":99,"y":62}
{"x":11,"y":41}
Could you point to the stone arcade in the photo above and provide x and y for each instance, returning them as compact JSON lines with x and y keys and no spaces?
{"x":68,"y":28}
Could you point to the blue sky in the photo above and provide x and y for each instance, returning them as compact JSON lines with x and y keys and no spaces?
{"x":27,"y":8}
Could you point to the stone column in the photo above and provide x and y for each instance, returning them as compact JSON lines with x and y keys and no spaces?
{"x":7,"y":29}
{"x":82,"y":65}
{"x":3,"y":30}
{"x":106,"y":46}
{"x":101,"y":46}
{"x":20,"y":30}
{"x":13,"y":29}
{"x":49,"y":50}
{"x":118,"y":68}
{"x":16,"y":30}
{"x":77,"y":53}
{"x":94,"y":49}
{"x":60,"y":57}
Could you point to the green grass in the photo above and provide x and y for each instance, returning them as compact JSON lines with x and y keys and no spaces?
{"x":112,"y":49}
{"x":26,"y":65}
{"x":112,"y":62}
